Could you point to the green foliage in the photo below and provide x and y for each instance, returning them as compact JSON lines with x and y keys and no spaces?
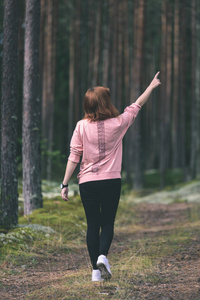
{"x":20,"y":242}
{"x":172,"y":177}
{"x":66,"y":218}
{"x":151,"y":179}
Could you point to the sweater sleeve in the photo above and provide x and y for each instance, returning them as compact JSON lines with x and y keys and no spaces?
{"x":129,"y":115}
{"x":76,"y":145}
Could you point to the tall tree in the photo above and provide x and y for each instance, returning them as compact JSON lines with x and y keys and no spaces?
{"x":182,"y":99}
{"x":31,"y":111}
{"x":114,"y":29}
{"x":166,"y":70}
{"x":127,"y":83}
{"x":197,"y":91}
{"x":97,"y":45}
{"x":71,"y":78}
{"x":9,"y":194}
{"x":120,"y":54}
{"x":91,"y":26}
{"x":49,"y":68}
{"x":195,"y":112}
{"x":175,"y":114}
{"x":136,"y":89}
{"x":106,"y":47}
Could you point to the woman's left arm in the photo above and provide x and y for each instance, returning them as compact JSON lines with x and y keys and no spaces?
{"x":71,"y":166}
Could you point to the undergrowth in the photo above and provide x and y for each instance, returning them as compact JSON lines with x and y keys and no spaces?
{"x":135,"y":254}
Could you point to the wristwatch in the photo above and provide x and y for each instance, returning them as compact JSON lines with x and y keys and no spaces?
{"x":62,"y":186}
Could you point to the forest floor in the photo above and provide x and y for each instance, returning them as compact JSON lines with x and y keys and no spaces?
{"x":155,"y":254}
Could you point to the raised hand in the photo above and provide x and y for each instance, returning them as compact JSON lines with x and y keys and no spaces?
{"x":144,"y":97}
{"x":156,"y":81}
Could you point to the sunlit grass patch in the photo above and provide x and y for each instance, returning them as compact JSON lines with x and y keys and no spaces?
{"x":162,"y":243}
{"x":22,"y":244}
{"x":66,"y":218}
{"x":51,"y":228}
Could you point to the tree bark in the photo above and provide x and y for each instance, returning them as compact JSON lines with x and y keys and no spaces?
{"x":194,"y":133}
{"x":136,"y":89}
{"x":31,"y":111}
{"x":71,"y":80}
{"x":182,"y":100}
{"x":106,"y":51}
{"x":91,"y":26}
{"x":9,"y":194}
{"x":77,"y":92}
{"x":197,"y":92}
{"x":49,"y":68}
{"x":127,"y":83}
{"x":166,"y":71}
{"x":114,"y":30}
{"x":97,"y":45}
{"x":126,"y":55}
{"x":120,"y":55}
{"x":175,"y":104}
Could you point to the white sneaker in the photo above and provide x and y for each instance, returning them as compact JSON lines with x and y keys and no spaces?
{"x":104,"y":267}
{"x":96,"y":275}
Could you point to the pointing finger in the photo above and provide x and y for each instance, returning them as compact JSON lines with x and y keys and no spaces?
{"x":157,"y":74}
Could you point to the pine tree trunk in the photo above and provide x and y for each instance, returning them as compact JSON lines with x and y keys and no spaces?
{"x":126,"y":55}
{"x":9,"y":194}
{"x":49,"y":57}
{"x":114,"y":30}
{"x":71,"y":80}
{"x":126,"y":87}
{"x":197,"y":92}
{"x":182,"y":100}
{"x":91,"y":27}
{"x":175,"y":111}
{"x":167,"y":142}
{"x":194,"y":133}
{"x":137,"y":89}
{"x":97,"y":46}
{"x":31,"y":111}
{"x":77,"y":92}
{"x":43,"y":9}
{"x":120,"y":56}
{"x":106,"y":54}
{"x":166,"y":71}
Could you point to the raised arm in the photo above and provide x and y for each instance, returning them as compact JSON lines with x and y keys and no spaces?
{"x":144,"y":97}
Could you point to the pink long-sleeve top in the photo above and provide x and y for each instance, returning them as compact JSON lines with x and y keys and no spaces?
{"x":100,"y":145}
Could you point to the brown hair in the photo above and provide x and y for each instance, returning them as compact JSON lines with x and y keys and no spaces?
{"x":97,"y":104}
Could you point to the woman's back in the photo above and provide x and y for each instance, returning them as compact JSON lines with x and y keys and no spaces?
{"x":100,"y":145}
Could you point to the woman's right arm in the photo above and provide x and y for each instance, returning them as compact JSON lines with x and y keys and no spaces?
{"x":144,"y":97}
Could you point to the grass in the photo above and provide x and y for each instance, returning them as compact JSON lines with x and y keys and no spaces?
{"x":135,"y":256}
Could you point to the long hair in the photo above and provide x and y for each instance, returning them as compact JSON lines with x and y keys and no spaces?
{"x":97,"y":104}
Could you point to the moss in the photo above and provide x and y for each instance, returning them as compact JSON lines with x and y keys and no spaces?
{"x":135,"y":259}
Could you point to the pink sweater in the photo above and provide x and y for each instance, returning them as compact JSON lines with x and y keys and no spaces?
{"x":100,"y":145}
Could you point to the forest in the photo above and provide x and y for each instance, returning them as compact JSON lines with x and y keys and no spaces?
{"x":53,"y":51}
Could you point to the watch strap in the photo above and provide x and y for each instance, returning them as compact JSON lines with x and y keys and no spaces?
{"x":63,"y":185}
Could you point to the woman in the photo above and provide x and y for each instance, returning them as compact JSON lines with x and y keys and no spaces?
{"x":98,"y":139}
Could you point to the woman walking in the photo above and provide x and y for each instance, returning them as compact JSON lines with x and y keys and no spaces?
{"x":97,"y":138}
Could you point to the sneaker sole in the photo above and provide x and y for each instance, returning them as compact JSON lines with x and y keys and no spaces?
{"x":105,"y":274}
{"x":97,"y":280}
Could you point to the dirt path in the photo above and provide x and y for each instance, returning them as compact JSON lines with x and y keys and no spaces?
{"x":176,"y":275}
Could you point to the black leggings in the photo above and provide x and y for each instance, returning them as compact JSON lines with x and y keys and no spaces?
{"x":100,"y":200}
